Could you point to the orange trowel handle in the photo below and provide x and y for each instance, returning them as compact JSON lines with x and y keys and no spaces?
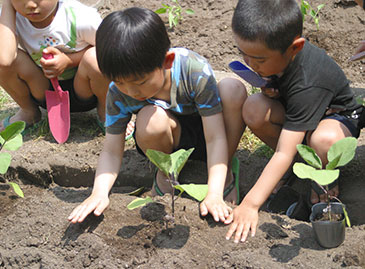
{"x":54,"y":81}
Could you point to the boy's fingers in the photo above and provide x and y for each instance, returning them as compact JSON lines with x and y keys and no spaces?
{"x":72,"y":215}
{"x":79,"y":217}
{"x":222,"y":216}
{"x":100,"y":208}
{"x":87,"y":210}
{"x":203,"y":209}
{"x":245,"y":233}
{"x":231,"y":230}
{"x":75,"y":215}
{"x":253,"y":229}
{"x":51,"y":50}
{"x":227,"y":211}
{"x":238,"y":234}
{"x":229,"y":219}
{"x":215,"y":215}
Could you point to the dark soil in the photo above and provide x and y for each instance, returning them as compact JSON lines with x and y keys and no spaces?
{"x":35,"y":233}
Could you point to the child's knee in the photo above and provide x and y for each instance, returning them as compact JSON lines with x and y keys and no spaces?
{"x":88,"y":65}
{"x":322,"y":141}
{"x":253,"y":112}
{"x":232,"y":92}
{"x":152,"y":122}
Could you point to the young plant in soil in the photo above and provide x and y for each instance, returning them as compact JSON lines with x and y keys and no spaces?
{"x":174,"y":12}
{"x":307,"y":9}
{"x":11,"y":139}
{"x":340,"y":153}
{"x":171,"y":165}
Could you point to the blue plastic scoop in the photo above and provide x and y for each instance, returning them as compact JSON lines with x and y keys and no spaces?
{"x":247,"y":74}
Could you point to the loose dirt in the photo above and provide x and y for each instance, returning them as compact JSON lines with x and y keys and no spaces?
{"x":35,"y":233}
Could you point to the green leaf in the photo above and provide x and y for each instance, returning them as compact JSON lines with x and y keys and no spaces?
{"x":14,"y":143}
{"x":161,"y":11}
{"x":169,"y":163}
{"x":306,"y":5}
{"x":319,"y":7}
{"x":313,"y":13}
{"x":136,"y":192}
{"x":12,"y":130}
{"x":316,"y":21}
{"x":303,"y":10}
{"x":175,"y":20}
{"x":333,"y":164}
{"x":189,"y":11}
{"x":5,"y":159}
{"x":322,"y":177}
{"x":197,"y":191}
{"x":348,"y":223}
{"x":138,"y":202}
{"x":345,"y":148}
{"x":171,"y":20}
{"x":309,"y":155}
{"x":17,"y":189}
{"x":160,"y":159}
{"x":179,"y":158}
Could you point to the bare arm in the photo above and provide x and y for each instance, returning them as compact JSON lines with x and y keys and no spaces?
{"x":217,"y":158}
{"x":245,"y":216}
{"x":109,"y":164}
{"x":8,"y":40}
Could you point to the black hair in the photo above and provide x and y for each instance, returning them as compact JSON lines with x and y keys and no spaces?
{"x":131,"y":43}
{"x":274,"y":22}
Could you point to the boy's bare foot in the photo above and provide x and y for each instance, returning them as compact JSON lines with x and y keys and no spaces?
{"x":28,"y":117}
{"x":315,"y":198}
{"x":161,"y":185}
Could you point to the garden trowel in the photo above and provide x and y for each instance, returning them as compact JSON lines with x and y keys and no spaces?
{"x":247,"y":74}
{"x":58,"y":107}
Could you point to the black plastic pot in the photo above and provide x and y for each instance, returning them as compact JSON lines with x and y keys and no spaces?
{"x":329,"y":234}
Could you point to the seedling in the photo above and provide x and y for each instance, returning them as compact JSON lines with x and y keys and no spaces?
{"x":171,"y":165}
{"x":340,"y":153}
{"x":174,"y":11}
{"x":307,"y":9}
{"x":11,"y":139}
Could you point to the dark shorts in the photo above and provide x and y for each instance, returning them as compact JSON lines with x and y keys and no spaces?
{"x":76,"y":105}
{"x":192,"y":136}
{"x":351,"y":121}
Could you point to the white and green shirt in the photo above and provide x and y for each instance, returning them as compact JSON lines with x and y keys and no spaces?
{"x":73,"y":29}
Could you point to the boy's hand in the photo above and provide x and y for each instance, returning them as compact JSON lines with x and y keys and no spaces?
{"x":244,"y":219}
{"x":215,"y":205}
{"x":54,"y":67}
{"x":270,"y":92}
{"x":95,"y":202}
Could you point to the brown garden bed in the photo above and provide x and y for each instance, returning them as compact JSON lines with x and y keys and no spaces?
{"x":35,"y":233}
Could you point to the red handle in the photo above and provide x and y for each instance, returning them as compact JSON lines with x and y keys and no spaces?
{"x":54,"y":81}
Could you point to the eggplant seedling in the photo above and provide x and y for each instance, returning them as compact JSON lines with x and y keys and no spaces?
{"x":307,"y":9}
{"x":11,"y":139}
{"x":174,"y":12}
{"x":339,"y":154}
{"x":171,"y":165}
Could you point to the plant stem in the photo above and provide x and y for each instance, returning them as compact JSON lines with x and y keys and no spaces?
{"x":328,"y":204}
{"x":172,"y":180}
